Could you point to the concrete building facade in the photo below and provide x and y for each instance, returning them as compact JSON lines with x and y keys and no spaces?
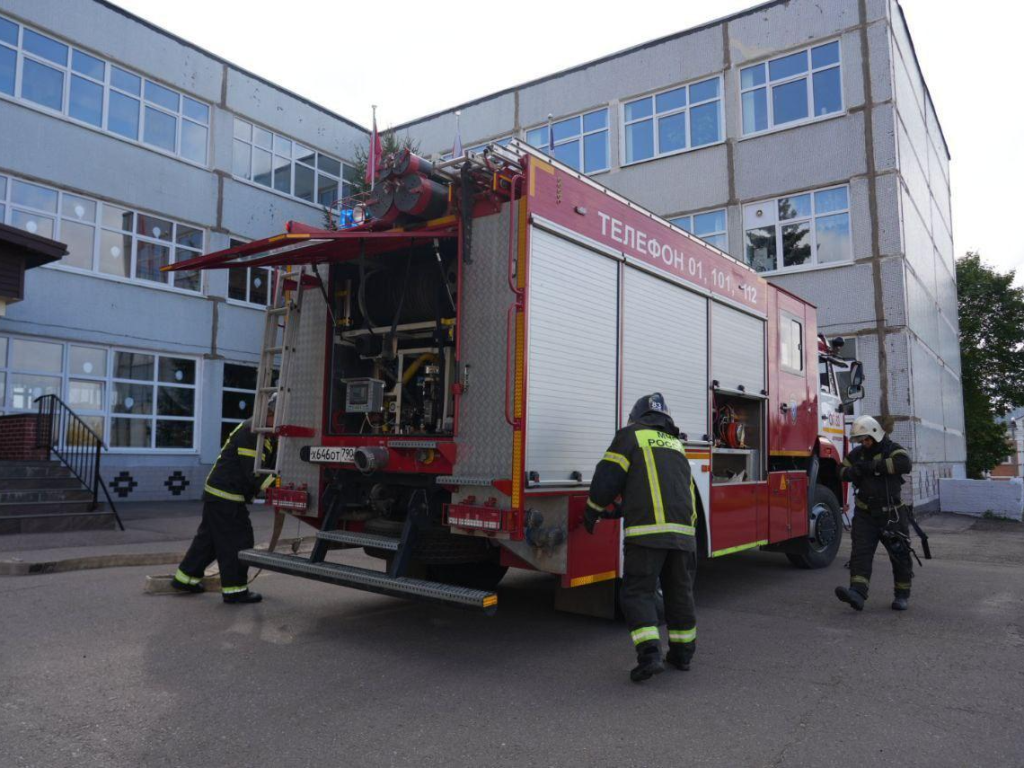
{"x":797,"y":136}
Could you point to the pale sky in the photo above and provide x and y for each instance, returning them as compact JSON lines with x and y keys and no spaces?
{"x":347,"y":56}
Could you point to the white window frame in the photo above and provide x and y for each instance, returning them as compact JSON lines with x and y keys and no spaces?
{"x":224,"y":388}
{"x":68,"y":72}
{"x":177,"y":252}
{"x":685,"y":222}
{"x":152,"y":417}
{"x":247,"y":301}
{"x":578,"y":137}
{"x":812,"y":219}
{"x":294,"y":157}
{"x":655,"y":117}
{"x":808,"y":74}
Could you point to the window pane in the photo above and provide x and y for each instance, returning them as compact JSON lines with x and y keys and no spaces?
{"x":86,"y":103}
{"x":196,"y":110}
{"x":760,"y":250}
{"x":704,"y":124}
{"x":348,"y":173}
{"x":175,"y":401}
{"x":132,"y":398}
{"x":538,"y":137}
{"x":131,"y":433}
{"x":8,"y":62}
{"x":305,"y":155}
{"x":193,"y":141}
{"x":788,"y":66}
{"x":566,"y":129}
{"x":672,"y":133}
{"x":755,"y":111}
{"x":85,"y":395}
{"x":75,"y":435}
{"x":88,"y":361}
{"x":595,"y":121}
{"x":160,"y":129}
{"x":831,"y":200}
{"x":704,"y":91}
{"x":634,"y":110}
{"x":327,"y":191}
{"x":258,"y":288}
{"x":26,"y":388}
{"x":174,"y":434}
{"x":798,"y":207}
{"x":282,"y":175}
{"x":177,"y":370}
{"x":33,"y":196}
{"x":164,"y":97}
{"x":133,"y":365}
{"x":37,"y":356}
{"x":189,"y":281}
{"x":569,"y":154}
{"x":595,"y":152}
{"x":123,"y":118}
{"x":33,"y":223}
{"x":118,"y":218}
{"x":238,"y":280}
{"x":188,"y":237}
{"x":789,"y":102}
{"x":115,"y":253}
{"x":80,"y":239}
{"x":666,"y":102}
{"x":685,"y":223}
{"x":304,"y":181}
{"x":243,"y":130}
{"x":41,"y":84}
{"x":833,"y":238}
{"x":752,"y":76}
{"x":282,"y":146}
{"x":88,"y":65}
{"x":828,"y":97}
{"x":236,"y":405}
{"x":639,"y":141}
{"x":8,"y":31}
{"x":719,"y":241}
{"x":126,"y":81}
{"x":240,"y":162}
{"x":239,"y":376}
{"x":262,"y":137}
{"x":45,"y":47}
{"x":149,"y":257}
{"x":796,"y":244}
{"x":3,"y":360}
{"x":706,"y":223}
{"x":824,"y":55}
{"x":151,"y":226}
{"x":328,"y":165}
{"x":261,"y":167}
{"x":78,"y":208}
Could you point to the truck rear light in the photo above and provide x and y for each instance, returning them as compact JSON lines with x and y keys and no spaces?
{"x":480,"y":518}
{"x":291,"y":498}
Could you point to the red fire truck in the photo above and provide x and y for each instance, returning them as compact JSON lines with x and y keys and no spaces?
{"x":450,"y":369}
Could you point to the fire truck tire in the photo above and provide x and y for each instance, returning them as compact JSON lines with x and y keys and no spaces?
{"x":819,"y":549}
{"x":485,"y":575}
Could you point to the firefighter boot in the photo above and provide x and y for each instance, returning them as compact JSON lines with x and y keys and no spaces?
{"x":851,"y":596}
{"x":648,"y":658}
{"x":245,"y":596}
{"x":182,"y":582}
{"x":679,"y":656}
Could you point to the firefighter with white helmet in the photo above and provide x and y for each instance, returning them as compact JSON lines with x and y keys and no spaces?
{"x":876,"y":468}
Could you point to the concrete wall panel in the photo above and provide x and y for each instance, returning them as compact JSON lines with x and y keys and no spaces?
{"x":692,"y":181}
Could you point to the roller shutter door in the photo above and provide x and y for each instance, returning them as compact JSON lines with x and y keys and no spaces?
{"x":737,"y":349}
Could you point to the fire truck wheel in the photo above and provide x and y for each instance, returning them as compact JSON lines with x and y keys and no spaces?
{"x":819,"y":549}
{"x":485,"y":575}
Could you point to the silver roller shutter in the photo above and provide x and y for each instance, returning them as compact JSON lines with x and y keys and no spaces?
{"x":737,"y":349}
{"x":571,"y":366}
{"x":665,"y":349}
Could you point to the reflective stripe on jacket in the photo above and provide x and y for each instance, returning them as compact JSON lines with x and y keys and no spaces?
{"x":647,"y":465}
{"x":232,"y":477}
{"x":877,"y":474}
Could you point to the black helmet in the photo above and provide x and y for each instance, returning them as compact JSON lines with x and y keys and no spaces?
{"x":654,"y":403}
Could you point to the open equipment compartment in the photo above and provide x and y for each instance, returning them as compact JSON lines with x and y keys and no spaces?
{"x":738,"y":448}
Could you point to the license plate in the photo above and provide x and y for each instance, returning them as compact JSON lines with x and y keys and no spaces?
{"x":331,"y":454}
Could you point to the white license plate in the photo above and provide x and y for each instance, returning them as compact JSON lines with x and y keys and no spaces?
{"x":331,"y":454}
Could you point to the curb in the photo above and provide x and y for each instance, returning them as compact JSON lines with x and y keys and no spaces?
{"x":17,"y":567}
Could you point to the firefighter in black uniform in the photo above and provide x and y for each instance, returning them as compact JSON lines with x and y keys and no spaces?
{"x":225,"y":528}
{"x":876,"y":468}
{"x":647,"y":466}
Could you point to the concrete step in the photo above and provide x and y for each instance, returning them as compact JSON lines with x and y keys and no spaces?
{"x":40,"y":483}
{"x":17,"y":498}
{"x":21,"y":469}
{"x":53,"y":520}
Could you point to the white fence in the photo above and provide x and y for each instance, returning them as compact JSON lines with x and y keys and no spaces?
{"x":999,"y":498}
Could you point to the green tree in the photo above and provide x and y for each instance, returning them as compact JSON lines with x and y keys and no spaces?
{"x":391,"y":143}
{"x":992,"y":357}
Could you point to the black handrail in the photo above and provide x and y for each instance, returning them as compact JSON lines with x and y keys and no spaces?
{"x":61,"y":432}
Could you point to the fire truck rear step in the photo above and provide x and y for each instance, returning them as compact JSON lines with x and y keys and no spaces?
{"x":359,"y":539}
{"x":373,"y":581}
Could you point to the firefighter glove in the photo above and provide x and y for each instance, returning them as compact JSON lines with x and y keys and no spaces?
{"x":590,"y":518}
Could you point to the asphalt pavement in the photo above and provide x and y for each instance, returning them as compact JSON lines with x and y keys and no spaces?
{"x":95,"y":673}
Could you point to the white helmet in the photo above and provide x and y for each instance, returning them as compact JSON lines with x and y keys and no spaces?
{"x":866,"y":426}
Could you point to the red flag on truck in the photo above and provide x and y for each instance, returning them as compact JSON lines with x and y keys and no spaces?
{"x":373,"y":159}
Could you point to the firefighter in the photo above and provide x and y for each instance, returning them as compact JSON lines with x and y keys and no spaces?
{"x":647,"y":466}
{"x":225,"y":529}
{"x":876,"y":468}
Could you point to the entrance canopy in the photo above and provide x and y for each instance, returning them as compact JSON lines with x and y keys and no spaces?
{"x":302,"y":244}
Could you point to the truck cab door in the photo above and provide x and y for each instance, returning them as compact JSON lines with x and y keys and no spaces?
{"x":794,"y":414}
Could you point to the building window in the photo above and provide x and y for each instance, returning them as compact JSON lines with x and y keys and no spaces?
{"x":581,"y":142}
{"x":239,"y":392}
{"x":709,"y":226}
{"x":682,"y":118}
{"x":791,"y":89}
{"x":39,"y":69}
{"x":253,"y":285}
{"x":805,"y":230}
{"x":130,"y":399}
{"x":103,"y":237}
{"x":273,"y":161}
